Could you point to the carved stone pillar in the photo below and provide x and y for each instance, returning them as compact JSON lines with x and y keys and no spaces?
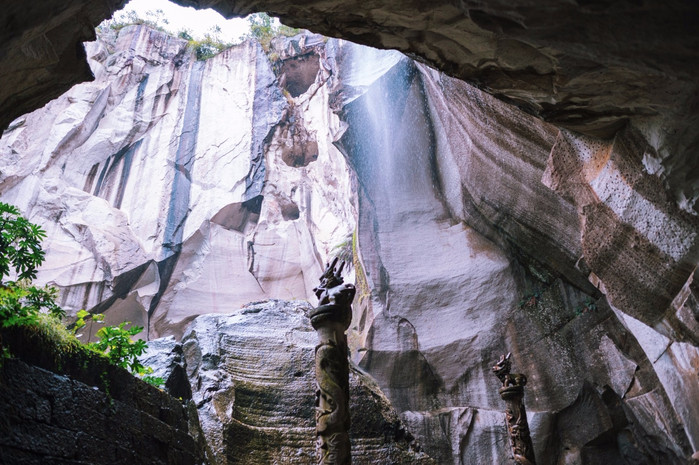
{"x":331,"y":319}
{"x":512,"y":392}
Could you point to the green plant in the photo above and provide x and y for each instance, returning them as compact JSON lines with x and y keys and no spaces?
{"x":287,"y":31}
{"x":115,"y":341}
{"x":261,"y":28}
{"x":22,"y":304}
{"x":52,"y":332}
{"x":264,"y":28}
{"x":20,"y":251}
{"x":588,"y":305}
{"x":4,"y":355}
{"x":185,"y":34}
{"x":154,"y":19}
{"x":209,"y":47}
{"x":156,"y":381}
{"x":104,"y":378}
{"x":344,"y":251}
{"x":20,"y":244}
{"x":82,"y":316}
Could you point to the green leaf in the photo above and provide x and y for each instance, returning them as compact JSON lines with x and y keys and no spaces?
{"x":116,"y":342}
{"x":156,"y":381}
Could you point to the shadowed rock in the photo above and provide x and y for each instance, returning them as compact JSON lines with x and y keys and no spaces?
{"x":252,"y":379}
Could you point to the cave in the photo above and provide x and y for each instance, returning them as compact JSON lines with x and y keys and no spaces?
{"x":298,"y":73}
{"x":509,"y":177}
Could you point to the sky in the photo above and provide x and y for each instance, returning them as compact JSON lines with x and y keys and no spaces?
{"x":198,"y":22}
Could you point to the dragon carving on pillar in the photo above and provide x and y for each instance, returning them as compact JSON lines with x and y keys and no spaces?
{"x":331,"y":319}
{"x":512,"y":392}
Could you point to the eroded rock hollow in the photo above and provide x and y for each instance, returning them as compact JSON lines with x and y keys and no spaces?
{"x":173,"y":188}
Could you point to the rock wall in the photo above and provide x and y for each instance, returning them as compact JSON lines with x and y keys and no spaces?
{"x":173,"y":188}
{"x":168,"y":187}
{"x":253,"y":381}
{"x":61,"y":408}
{"x":586,"y":66}
{"x":43,"y":55}
{"x":470,"y":248}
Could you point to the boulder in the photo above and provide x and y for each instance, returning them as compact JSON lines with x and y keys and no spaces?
{"x":253,"y":381}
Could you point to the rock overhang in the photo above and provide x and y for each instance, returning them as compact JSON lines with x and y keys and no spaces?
{"x":591,"y":67}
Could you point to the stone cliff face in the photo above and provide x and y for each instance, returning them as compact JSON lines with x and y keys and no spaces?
{"x":173,"y":188}
{"x":587,"y":66}
{"x":474,"y":241}
{"x":43,"y":55}
{"x":170,"y":183}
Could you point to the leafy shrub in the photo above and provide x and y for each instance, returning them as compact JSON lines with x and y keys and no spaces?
{"x":20,"y":251}
{"x":82,"y":316}
{"x":264,"y":28}
{"x":207,"y":48}
{"x":20,"y":244}
{"x":154,"y":19}
{"x":184,"y":34}
{"x":115,"y":341}
{"x":22,"y":304}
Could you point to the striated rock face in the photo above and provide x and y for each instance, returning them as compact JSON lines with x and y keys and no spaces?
{"x":252,"y":378}
{"x":170,"y":187}
{"x":472,"y":247}
{"x":173,"y":188}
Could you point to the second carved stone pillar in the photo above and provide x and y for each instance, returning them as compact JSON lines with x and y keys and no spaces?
{"x":512,"y":392}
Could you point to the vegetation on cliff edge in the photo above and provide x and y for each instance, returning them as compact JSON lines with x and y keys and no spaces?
{"x":32,"y":311}
{"x":263,"y":28}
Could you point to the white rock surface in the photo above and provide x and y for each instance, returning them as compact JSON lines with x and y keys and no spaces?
{"x":252,"y":379}
{"x":173,"y":165}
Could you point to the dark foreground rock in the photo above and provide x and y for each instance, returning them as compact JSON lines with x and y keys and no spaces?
{"x":98,"y":415}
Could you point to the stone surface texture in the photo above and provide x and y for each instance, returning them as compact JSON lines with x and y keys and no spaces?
{"x":587,"y":66}
{"x":252,"y":379}
{"x":164,"y":183}
{"x":48,"y":418}
{"x":42,"y":54}
{"x":173,"y":188}
{"x":468,"y":248}
{"x":74,"y":411}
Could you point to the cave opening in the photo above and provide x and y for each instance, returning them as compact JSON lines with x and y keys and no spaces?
{"x":191,"y":177}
